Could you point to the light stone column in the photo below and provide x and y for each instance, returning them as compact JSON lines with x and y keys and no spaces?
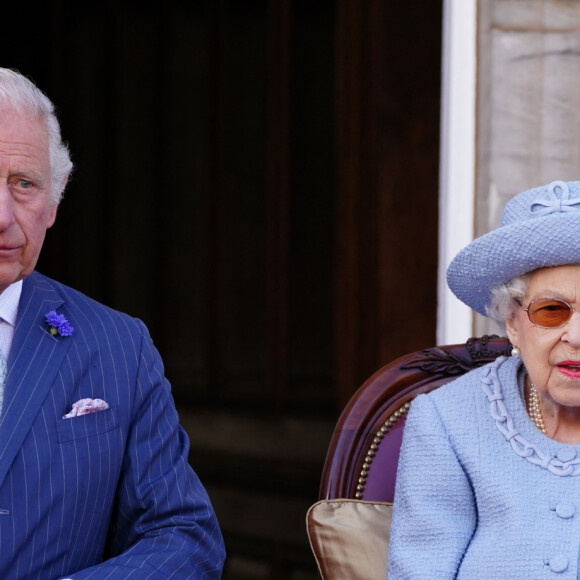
{"x":528,"y":118}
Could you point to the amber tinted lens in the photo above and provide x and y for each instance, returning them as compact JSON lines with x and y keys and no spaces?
{"x":549,"y":312}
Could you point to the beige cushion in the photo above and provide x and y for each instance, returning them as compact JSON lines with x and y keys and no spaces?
{"x":350,"y":538}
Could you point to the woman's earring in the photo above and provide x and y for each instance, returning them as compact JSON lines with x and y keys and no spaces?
{"x":516,"y":351}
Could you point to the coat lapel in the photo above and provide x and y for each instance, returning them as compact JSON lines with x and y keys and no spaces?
{"x":35,"y":358}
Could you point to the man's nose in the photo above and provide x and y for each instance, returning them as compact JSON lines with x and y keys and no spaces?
{"x":6,"y":206}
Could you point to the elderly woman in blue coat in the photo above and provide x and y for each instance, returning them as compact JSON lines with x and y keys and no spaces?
{"x":488,"y":484}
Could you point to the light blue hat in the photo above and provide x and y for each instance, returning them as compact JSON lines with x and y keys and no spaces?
{"x":539,"y":228}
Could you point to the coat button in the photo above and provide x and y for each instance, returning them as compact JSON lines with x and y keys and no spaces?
{"x":558,"y":563}
{"x":566,"y":454}
{"x":565,"y":510}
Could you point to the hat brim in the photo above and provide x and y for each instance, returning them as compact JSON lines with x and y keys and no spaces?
{"x":509,"y":251}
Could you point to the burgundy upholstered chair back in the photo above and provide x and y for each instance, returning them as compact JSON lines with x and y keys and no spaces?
{"x":364,"y":451}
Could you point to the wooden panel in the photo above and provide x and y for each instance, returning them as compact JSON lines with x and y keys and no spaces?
{"x":388,"y":135}
{"x":311,"y":211}
{"x":278,"y":195}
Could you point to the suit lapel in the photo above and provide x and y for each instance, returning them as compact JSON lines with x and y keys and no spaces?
{"x":34,"y":361}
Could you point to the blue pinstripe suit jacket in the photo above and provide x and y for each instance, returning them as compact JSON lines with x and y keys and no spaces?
{"x":108,"y":495}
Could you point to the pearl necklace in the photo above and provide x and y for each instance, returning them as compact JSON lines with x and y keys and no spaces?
{"x":534,"y":409}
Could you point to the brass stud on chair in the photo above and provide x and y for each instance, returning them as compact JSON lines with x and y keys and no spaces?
{"x":371,"y":452}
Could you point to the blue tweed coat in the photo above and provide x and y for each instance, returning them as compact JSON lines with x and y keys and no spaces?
{"x":481,"y":493}
{"x":107,"y":495}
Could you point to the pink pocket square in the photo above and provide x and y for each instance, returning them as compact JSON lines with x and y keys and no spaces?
{"x":86,"y":406}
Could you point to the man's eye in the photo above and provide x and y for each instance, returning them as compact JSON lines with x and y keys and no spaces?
{"x":24,"y":183}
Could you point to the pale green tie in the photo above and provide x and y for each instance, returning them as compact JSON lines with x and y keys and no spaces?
{"x":3,"y":373}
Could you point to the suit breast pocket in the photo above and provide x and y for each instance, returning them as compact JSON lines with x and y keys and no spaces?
{"x":88,"y":425}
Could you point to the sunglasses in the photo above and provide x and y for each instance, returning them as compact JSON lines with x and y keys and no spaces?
{"x":548,"y":312}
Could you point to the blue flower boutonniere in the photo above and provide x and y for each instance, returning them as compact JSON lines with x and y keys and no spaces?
{"x":58,"y":324}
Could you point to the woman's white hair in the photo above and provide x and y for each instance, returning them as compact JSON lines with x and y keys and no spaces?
{"x":504,"y":299}
{"x":20,"y":94}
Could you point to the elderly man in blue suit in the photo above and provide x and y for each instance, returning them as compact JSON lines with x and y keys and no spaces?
{"x":94,"y":479}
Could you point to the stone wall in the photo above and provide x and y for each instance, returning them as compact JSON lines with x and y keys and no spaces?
{"x":528,"y":103}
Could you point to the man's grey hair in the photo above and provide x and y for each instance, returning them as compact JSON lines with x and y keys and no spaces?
{"x":504,"y":299}
{"x":20,"y":94}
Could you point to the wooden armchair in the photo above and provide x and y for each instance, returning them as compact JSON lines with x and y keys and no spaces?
{"x":358,"y":479}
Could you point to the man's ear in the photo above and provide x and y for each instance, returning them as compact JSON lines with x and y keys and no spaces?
{"x":51,"y":216}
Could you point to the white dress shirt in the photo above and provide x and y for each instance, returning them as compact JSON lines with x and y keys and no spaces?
{"x":9,"y":300}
